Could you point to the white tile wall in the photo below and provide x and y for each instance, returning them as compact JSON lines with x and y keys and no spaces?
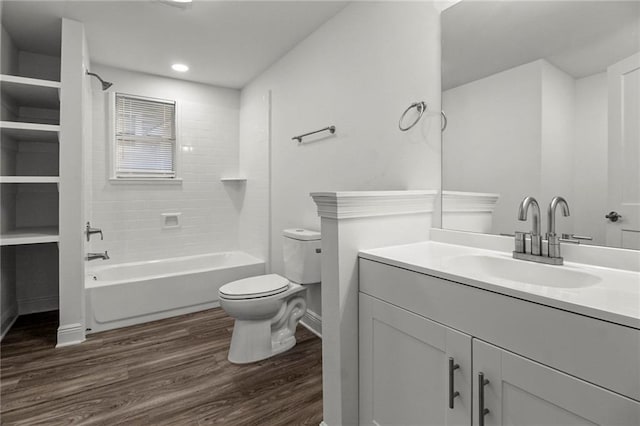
{"x":130,"y":215}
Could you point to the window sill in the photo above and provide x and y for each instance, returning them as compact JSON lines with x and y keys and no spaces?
{"x":145,"y":181}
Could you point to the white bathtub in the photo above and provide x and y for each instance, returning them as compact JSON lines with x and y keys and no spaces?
{"x":131,"y":293}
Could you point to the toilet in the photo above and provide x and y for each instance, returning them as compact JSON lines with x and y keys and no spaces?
{"x":267,"y":308}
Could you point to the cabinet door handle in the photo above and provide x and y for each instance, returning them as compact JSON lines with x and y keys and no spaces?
{"x":452,"y":392}
{"x":482,"y":382}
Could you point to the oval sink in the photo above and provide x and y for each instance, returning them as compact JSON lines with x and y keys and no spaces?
{"x":503,"y":268}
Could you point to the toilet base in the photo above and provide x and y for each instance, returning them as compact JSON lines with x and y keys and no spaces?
{"x":251,"y":342}
{"x":255,"y":340}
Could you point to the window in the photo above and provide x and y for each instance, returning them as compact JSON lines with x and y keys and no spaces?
{"x":145,"y":137}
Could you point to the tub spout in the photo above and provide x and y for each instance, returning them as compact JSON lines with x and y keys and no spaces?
{"x":94,"y":256}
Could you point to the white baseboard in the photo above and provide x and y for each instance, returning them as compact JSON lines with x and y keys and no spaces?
{"x":39,"y":304}
{"x":70,"y":334}
{"x":7,"y":322}
{"x":312,"y":322}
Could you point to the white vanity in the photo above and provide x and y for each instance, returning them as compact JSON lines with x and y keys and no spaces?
{"x":556,"y":345}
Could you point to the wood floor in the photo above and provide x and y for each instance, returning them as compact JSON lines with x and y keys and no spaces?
{"x":168,"y":372}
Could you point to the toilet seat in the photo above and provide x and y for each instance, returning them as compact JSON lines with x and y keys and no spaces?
{"x":254,"y":287}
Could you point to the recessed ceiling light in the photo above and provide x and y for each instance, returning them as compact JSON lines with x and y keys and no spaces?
{"x":182,"y":1}
{"x":180,"y":67}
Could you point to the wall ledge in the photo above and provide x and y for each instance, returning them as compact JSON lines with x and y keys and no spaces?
{"x":356,"y":204}
{"x":457,"y":201}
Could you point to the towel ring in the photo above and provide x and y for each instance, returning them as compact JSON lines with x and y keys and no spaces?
{"x":444,"y":121}
{"x":420,"y":106}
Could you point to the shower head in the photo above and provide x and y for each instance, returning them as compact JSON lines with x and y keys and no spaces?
{"x":105,"y":84}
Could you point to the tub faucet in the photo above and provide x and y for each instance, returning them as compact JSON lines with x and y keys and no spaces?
{"x":89,"y":231}
{"x":536,"y":238}
{"x":94,"y":256}
{"x":552,"y":239}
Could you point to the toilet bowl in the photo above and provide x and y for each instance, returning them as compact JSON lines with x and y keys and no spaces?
{"x":267,"y":309}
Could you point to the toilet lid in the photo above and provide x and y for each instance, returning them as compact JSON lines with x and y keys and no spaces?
{"x":260,"y":286}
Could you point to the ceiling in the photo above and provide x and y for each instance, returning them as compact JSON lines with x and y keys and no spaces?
{"x":481,"y":38}
{"x":225,"y":43}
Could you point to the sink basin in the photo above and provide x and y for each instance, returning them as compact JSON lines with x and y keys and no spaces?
{"x":505,"y":268}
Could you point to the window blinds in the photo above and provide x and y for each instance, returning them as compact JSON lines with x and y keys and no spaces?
{"x":145,"y":137}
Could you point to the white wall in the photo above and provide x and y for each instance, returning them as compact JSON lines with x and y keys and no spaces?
{"x":37,"y":278}
{"x":73,"y":138}
{"x":531,"y":130}
{"x":557,"y":143}
{"x":8,"y":291}
{"x":359,"y":71}
{"x":492,"y":142}
{"x":130,"y":214}
{"x":590,"y":158}
{"x":26,"y":64}
{"x":9,"y":52}
{"x":8,"y":149}
{"x":255,"y":216}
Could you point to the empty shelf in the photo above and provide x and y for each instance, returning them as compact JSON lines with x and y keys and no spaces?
{"x":233,"y":179}
{"x":32,"y":132}
{"x":29,"y":179}
{"x":31,"y":92}
{"x":29,"y":236}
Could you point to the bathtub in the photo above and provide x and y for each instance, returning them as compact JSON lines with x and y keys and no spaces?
{"x":132,"y":293}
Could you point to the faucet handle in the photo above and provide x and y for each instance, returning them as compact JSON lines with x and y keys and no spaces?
{"x":520,"y":238}
{"x":576,"y":237}
{"x":89,"y":231}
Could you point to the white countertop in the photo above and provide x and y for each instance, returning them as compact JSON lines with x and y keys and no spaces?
{"x":612,"y":295}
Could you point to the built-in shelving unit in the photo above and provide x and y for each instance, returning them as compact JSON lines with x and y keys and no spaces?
{"x":29,"y":178}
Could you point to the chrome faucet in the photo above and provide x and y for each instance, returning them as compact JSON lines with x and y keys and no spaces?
{"x":542,"y":251}
{"x":536,"y":238}
{"x":552,"y":239}
{"x":89,"y":231}
{"x":94,"y":256}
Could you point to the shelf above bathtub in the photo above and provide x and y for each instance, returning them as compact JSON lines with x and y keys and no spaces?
{"x":36,"y":235}
{"x":237,"y":179}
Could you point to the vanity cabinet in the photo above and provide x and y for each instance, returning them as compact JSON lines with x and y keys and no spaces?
{"x":522,"y":392}
{"x":412,"y":370}
{"x":544,"y":366}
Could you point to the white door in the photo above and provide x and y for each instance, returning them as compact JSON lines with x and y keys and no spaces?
{"x":624,"y":154}
{"x":521,"y":392}
{"x":405,"y":373}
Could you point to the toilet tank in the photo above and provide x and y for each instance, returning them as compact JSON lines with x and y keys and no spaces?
{"x":302,"y":256}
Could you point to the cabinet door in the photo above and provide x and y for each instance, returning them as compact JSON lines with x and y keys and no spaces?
{"x":404,"y":368}
{"x":522,"y":392}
